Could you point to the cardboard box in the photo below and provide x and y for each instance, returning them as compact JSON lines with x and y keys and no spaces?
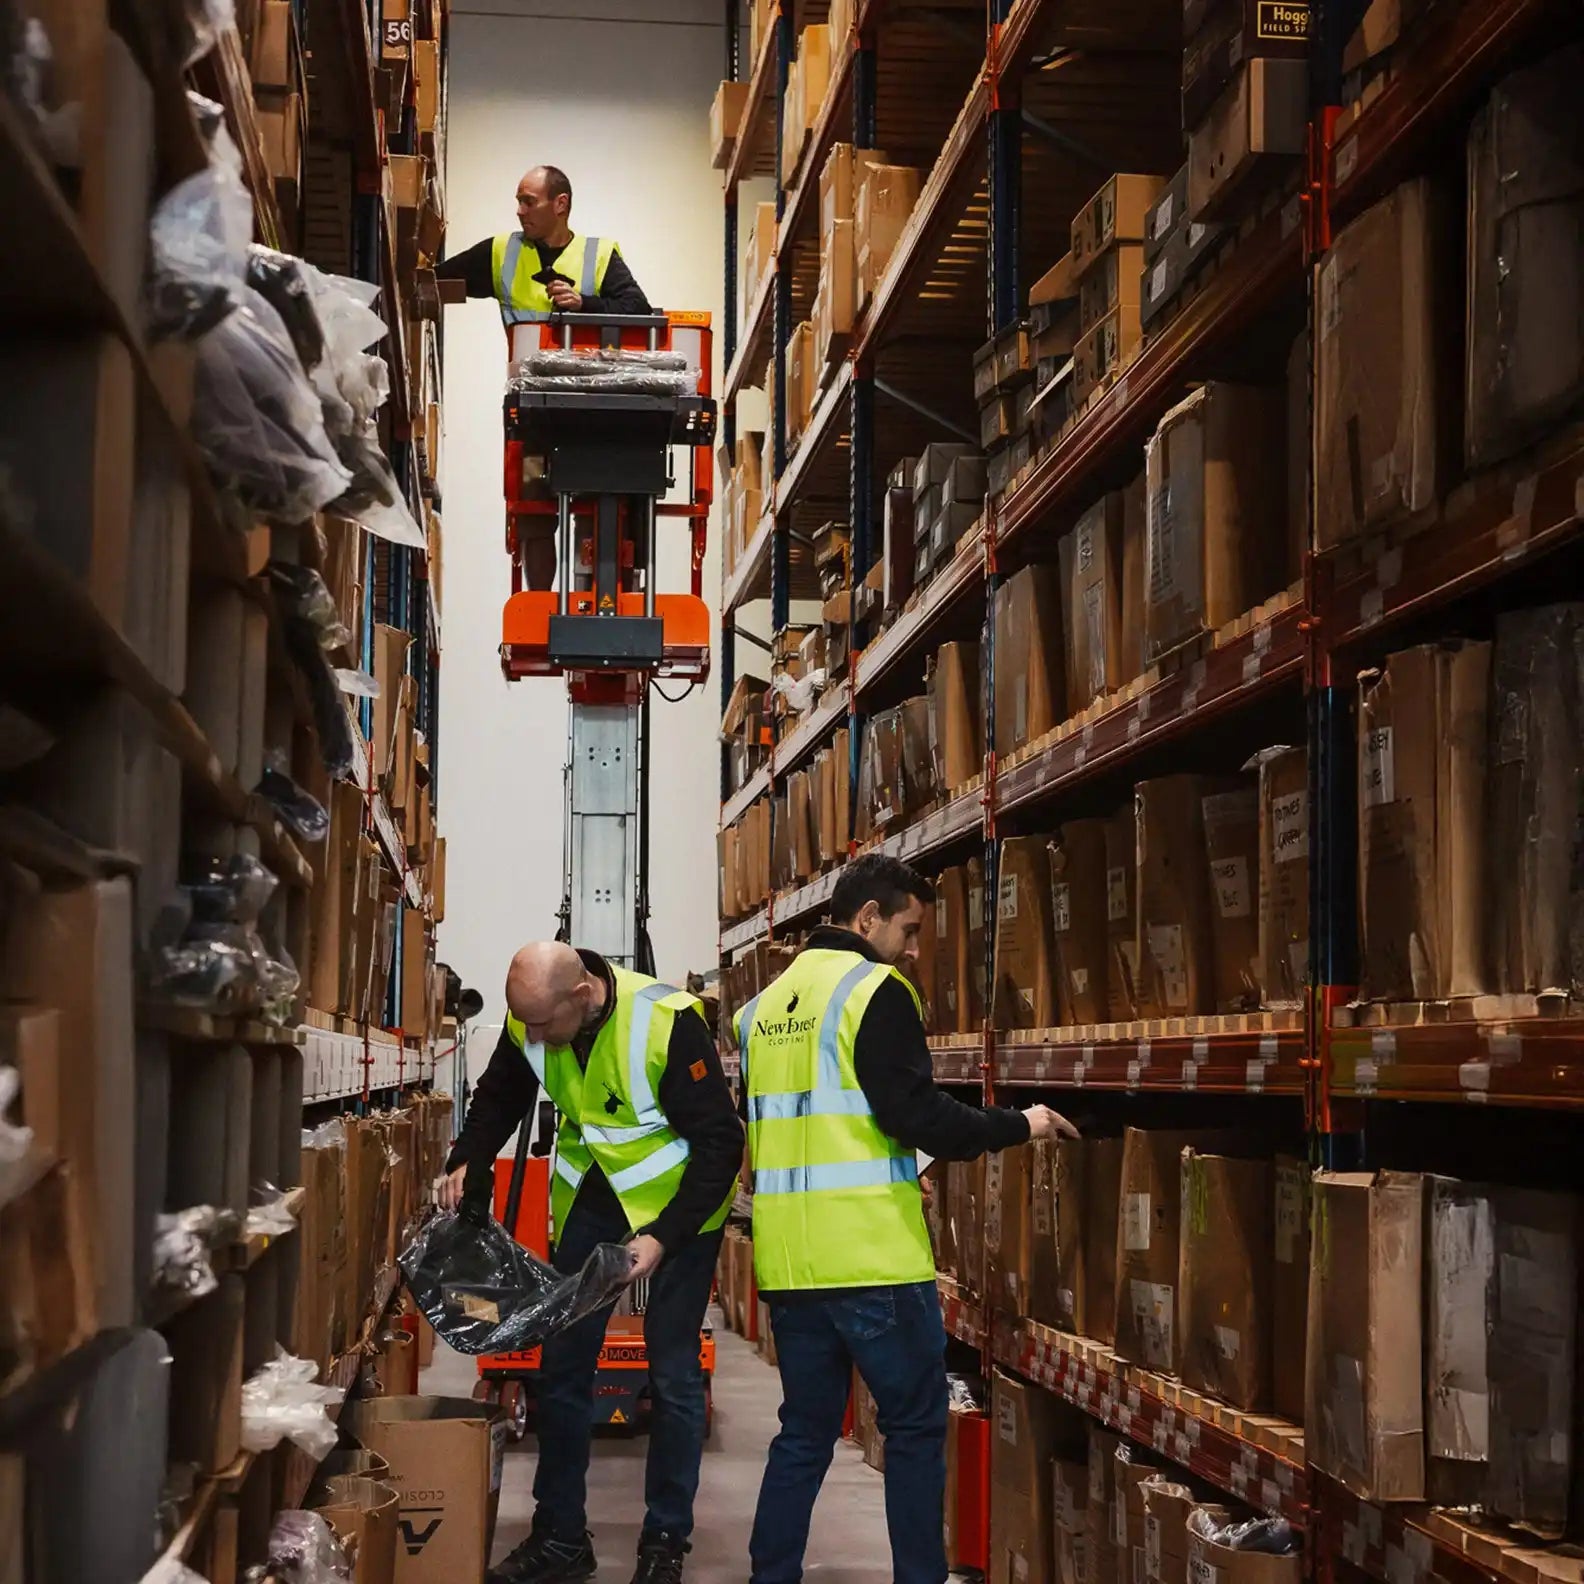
{"x":886,"y":198}
{"x":1174,"y":942}
{"x":1136,"y":1466}
{"x":1115,"y":214}
{"x":1252,"y":131}
{"x":1536,"y":771}
{"x":445,"y":1457}
{"x":1105,"y":350}
{"x":1364,"y":1421}
{"x":1104,"y":1563}
{"x":1232,"y":846}
{"x":1224,"y":1278}
{"x":1102,"y":1166}
{"x":1024,"y":945}
{"x":1030,"y":695}
{"x":1184,"y":251}
{"x":1209,"y":1560}
{"x":1078,"y":920}
{"x":1122,"y":956}
{"x":1071,"y":1538}
{"x":1525,"y":367}
{"x":1283,"y":876}
{"x":1008,"y":1195}
{"x":1166,"y":1508}
{"x":1216,"y":479}
{"x":1290,"y":1287}
{"x":1044,"y":1268}
{"x":1230,"y":32}
{"x":841,"y":176}
{"x":956,"y":738}
{"x":1025,"y":1431}
{"x":364,"y":1514}
{"x":1112,"y":281}
{"x":731,"y":99}
{"x":1422,"y":757}
{"x":1378,"y":447}
{"x":1148,"y":1316}
{"x":959,"y":933}
{"x":1093,"y":558}
{"x":272,"y":62}
{"x":1459,"y":1259}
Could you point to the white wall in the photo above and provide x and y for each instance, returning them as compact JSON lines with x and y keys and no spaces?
{"x":617,"y":93}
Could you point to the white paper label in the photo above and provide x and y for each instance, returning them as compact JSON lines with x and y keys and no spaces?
{"x":1061,"y":908}
{"x":1290,"y":827}
{"x":1080,"y":981}
{"x":1006,"y":1420}
{"x":940,"y":915}
{"x":1171,"y":962}
{"x":1153,"y":1304}
{"x":1199,"y":1569}
{"x":1230,"y":881}
{"x":1136,"y":1223}
{"x":1379,"y":781}
{"x":1227,"y":1341}
{"x":1116,"y":894}
{"x":1163,"y":215}
{"x":1009,"y":896}
{"x":1289,"y":1212}
{"x":1158,"y":277}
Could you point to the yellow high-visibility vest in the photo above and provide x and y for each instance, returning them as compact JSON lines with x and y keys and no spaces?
{"x":514,"y":264}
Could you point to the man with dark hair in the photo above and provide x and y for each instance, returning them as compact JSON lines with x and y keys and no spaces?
{"x":540,"y":269}
{"x":840,"y":1094}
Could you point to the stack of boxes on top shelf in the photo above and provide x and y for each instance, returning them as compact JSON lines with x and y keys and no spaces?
{"x":1108,"y":261}
{"x":744,"y":495}
{"x":836,"y":299}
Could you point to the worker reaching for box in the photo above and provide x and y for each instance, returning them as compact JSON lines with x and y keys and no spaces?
{"x":540,"y":269}
{"x":840,"y":1093}
{"x":649,"y":1144}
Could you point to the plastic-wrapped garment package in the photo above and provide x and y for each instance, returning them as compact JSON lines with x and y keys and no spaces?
{"x":303,"y":1549}
{"x":1275,"y":1536}
{"x":284,"y":1403}
{"x":301,"y":812}
{"x":484,"y":1293}
{"x":612,"y":370}
{"x":198,"y":246}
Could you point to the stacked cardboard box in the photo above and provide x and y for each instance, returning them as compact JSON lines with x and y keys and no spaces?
{"x":1003,"y":384}
{"x":808,"y":79}
{"x":759,"y":249}
{"x":725,"y":121}
{"x":1108,"y":260}
{"x":1078,"y":921}
{"x":1245,"y":99}
{"x":948,"y":496}
{"x":959,"y":946}
{"x":802,"y":383}
{"x":1030,"y":693}
{"x":841,"y":178}
{"x":1283,"y":876}
{"x":896,"y":770}
{"x":956,"y":731}
{"x":886,"y":198}
{"x":1176,"y":248}
{"x":1024,"y":942}
{"x":1102,"y":580}
{"x":898,"y":528}
{"x":1028,"y":1428}
{"x":1422,"y":758}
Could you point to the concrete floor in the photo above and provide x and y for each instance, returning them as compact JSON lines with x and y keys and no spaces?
{"x":848,"y":1544}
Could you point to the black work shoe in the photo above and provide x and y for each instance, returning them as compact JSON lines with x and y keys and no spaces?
{"x":660,"y":1558}
{"x":543,"y":1559}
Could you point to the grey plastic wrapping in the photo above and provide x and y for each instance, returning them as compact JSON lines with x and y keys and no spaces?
{"x":605,"y":369}
{"x":198,"y":242}
{"x":484,"y":1293}
{"x":1274,"y":1536}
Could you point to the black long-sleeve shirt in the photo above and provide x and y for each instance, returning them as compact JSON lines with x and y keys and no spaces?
{"x":619,"y":292}
{"x":692,"y":1094}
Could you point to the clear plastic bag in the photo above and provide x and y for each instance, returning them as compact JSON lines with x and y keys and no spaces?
{"x":484,"y":1293}
{"x":307,"y":630}
{"x":1274,"y":1536}
{"x":605,"y":369}
{"x":800,"y":692}
{"x":268,"y":1215}
{"x":198,"y":246}
{"x":258,"y":420}
{"x":283,"y":1402}
{"x":305,"y":595}
{"x":281,"y":280}
{"x":15,"y":1140}
{"x":963,"y":1394}
{"x":183,"y":1246}
{"x":303,"y":1549}
{"x":299,"y":811}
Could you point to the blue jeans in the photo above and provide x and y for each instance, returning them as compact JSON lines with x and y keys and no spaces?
{"x":895,"y":1337}
{"x":678,"y":1296}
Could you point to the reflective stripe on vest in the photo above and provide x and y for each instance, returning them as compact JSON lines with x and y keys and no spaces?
{"x":807,"y":1102}
{"x":844,"y":1174}
{"x":744,"y":1021}
{"x":596,"y":255}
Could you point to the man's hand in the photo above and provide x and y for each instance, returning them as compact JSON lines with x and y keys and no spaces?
{"x":566,"y":298}
{"x":647,"y":1252}
{"x":1045,"y":1123}
{"x":448,"y":1189}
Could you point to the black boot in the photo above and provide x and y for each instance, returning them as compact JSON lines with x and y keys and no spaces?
{"x":543,"y":1559}
{"x":660,"y":1558}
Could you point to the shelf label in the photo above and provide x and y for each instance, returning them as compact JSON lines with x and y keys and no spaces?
{"x":1383,"y":1045}
{"x":1143,"y":1053}
{"x":1347,"y":160}
{"x":1372,"y":606}
{"x":1270,"y":1496}
{"x":1133,"y":729}
{"x":1078,"y":1074}
{"x":1365,"y":1075}
{"x":1251,"y":669}
{"x":1474,"y":1080}
{"x":1161,"y":1435}
{"x":1190,"y":1073}
{"x":1133,"y":1070}
{"x":1201,"y":1049}
{"x":1254,"y":1076}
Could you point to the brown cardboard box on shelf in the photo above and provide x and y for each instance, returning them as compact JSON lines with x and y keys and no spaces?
{"x":445,"y":1457}
{"x":1027,"y":1426}
{"x":1459,"y":1257}
{"x":1364,"y":1421}
{"x":964,"y":1207}
{"x":1093,"y":557}
{"x":1166,"y":1508}
{"x":1525,"y":333}
{"x":1422,"y":759}
{"x":1122,"y":959}
{"x":1070,"y":1481}
{"x":1078,"y":920}
{"x":1044,"y":1266}
{"x":1533,"y":788}
{"x":1100,"y":1515}
{"x":1224,"y":1278}
{"x":1283,"y":876}
{"x":955,"y":734}
{"x":801,"y":818}
{"x":1148,"y":1317}
{"x":958,"y":1010}
{"x":1104,"y":349}
{"x":885,"y":201}
{"x":1208,"y":1559}
{"x":1231,"y":827}
{"x":841,"y":176}
{"x":1024,"y":945}
{"x":1379,"y":408}
{"x":1290,"y":1287}
{"x":1257,"y":123}
{"x":364,"y":1513}
{"x":1216,"y":480}
{"x":1173,"y":940}
{"x":839,"y":755}
{"x":1008,"y":1191}
{"x":1070,"y":1161}
{"x":725,"y":120}
{"x":1114,"y":214}
{"x":322,"y":1249}
{"x":1102,"y":1167}
{"x":1111,"y":282}
{"x":1136,"y":1467}
{"x":1030,"y":696}
{"x":978,"y":945}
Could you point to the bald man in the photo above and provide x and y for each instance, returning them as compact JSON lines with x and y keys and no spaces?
{"x":648,"y":1150}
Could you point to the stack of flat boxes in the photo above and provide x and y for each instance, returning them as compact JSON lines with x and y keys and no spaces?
{"x":1004,"y":389}
{"x":948,"y":496}
{"x":1108,"y":260}
{"x":1175,"y":249}
{"x":831,"y":551}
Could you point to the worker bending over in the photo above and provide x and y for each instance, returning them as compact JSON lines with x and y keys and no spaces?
{"x":545,"y":267}
{"x":649,"y":1144}
{"x":840,"y":1093}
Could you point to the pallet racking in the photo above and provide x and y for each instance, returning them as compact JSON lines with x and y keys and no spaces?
{"x":991,"y":213}
{"x":162,"y":1106}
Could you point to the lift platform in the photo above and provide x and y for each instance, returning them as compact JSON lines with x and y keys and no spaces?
{"x":596,"y":413}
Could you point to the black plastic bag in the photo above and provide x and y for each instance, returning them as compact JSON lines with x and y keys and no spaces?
{"x":485,"y":1293}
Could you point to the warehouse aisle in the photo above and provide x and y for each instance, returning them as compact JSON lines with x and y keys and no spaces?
{"x":848,"y":1545}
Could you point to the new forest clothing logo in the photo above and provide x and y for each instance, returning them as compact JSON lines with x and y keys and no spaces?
{"x":788,"y":1027}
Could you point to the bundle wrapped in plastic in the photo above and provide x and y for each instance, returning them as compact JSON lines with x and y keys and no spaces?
{"x":484,"y":1293}
{"x":300,"y":811}
{"x":611,"y":369}
{"x":184,"y":1244}
{"x":1273,"y":1536}
{"x":303,"y":1549}
{"x":284,"y":1403}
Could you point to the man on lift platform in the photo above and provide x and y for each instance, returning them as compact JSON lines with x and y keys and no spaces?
{"x":544,"y":268}
{"x":649,"y":1145}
